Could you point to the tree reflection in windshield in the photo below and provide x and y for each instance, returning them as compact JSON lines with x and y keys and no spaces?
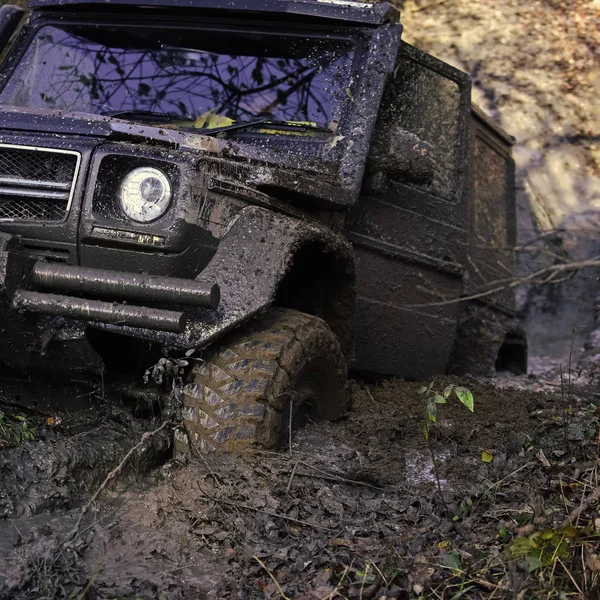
{"x":226,"y":78}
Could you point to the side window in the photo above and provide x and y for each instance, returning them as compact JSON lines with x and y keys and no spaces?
{"x":428,"y":105}
{"x":425,"y":104}
{"x":490,"y":191}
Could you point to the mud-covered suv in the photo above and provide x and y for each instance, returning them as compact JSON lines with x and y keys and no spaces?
{"x":283,"y":185}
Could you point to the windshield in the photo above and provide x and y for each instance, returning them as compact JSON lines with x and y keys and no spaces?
{"x":185,"y":78}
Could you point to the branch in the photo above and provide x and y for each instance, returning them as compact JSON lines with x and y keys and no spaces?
{"x":545,"y":276}
{"x":147,"y":435}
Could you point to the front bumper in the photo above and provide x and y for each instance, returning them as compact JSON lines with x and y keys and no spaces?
{"x":100,"y":296}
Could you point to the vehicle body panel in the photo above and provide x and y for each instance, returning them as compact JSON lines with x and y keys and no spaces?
{"x":410,"y":242}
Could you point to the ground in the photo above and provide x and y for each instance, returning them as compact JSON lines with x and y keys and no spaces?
{"x":351,"y":510}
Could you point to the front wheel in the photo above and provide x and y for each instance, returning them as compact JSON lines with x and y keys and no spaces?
{"x":241,"y":395}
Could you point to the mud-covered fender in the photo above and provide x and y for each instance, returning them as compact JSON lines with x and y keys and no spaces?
{"x":255,"y":255}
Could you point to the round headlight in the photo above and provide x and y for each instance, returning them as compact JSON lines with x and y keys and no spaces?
{"x":145,"y":194}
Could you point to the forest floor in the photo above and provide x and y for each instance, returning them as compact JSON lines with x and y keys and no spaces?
{"x":352,"y":509}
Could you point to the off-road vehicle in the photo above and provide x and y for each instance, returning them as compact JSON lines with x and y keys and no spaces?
{"x":283,"y":186}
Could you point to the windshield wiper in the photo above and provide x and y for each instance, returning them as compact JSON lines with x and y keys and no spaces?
{"x":292,"y":125}
{"x":145,"y":114}
{"x":266,"y":121}
{"x":233,"y":127}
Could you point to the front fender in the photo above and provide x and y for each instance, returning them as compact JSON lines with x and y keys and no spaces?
{"x":255,"y":255}
{"x":251,"y":260}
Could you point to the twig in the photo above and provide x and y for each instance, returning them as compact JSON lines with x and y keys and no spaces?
{"x":199,"y":454}
{"x":264,"y":512}
{"x":145,"y":437}
{"x":569,"y":389}
{"x":262,"y":564}
{"x":509,"y":283}
{"x":576,"y":512}
{"x":498,"y":484}
{"x":380,"y":574}
{"x":364,"y":579}
{"x":174,"y":569}
{"x":336,"y":591}
{"x":435,"y":469}
{"x":334,"y":477}
{"x":17,"y":529}
{"x":290,"y":425}
{"x":289,"y":485}
{"x":570,"y":576}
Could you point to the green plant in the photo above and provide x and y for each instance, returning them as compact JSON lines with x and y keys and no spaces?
{"x":432,"y":399}
{"x":15,"y":430}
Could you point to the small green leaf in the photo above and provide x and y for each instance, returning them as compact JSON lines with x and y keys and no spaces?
{"x":466,"y":397}
{"x":487,"y":457}
{"x":503,"y":533}
{"x":533,"y":563}
{"x":421,"y":390}
{"x":431,"y":412}
{"x":426,"y":431}
{"x":452,"y":560}
{"x":448,"y":391}
{"x":439,"y":399}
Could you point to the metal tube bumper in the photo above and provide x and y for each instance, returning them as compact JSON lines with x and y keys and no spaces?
{"x":124,"y":286}
{"x":96,"y":310}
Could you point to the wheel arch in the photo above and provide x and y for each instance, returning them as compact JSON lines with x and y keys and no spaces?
{"x":320,"y":281}
{"x":271,"y":259}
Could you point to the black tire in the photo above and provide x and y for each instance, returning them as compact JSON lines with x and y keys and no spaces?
{"x":239,"y":396}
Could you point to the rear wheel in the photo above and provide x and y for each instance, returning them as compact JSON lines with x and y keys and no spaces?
{"x":240,"y":396}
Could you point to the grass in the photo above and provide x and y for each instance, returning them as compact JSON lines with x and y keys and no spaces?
{"x":15,"y":430}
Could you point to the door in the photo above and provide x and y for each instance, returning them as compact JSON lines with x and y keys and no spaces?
{"x":409,"y":228}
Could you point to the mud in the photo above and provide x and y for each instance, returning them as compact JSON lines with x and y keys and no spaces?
{"x":352,"y":505}
{"x":75,"y":445}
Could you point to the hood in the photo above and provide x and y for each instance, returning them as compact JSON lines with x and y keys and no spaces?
{"x":33,"y":120}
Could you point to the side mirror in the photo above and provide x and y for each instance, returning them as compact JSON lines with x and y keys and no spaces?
{"x":399,"y":155}
{"x":10,"y":17}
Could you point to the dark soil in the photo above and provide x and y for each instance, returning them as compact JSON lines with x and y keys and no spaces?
{"x":352,"y":510}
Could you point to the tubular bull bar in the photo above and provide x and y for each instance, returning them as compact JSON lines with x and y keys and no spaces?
{"x":99,"y":283}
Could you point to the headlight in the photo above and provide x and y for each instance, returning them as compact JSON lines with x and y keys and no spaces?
{"x":145,"y":194}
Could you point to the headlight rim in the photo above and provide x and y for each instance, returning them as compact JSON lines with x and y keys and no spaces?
{"x":133,"y":215}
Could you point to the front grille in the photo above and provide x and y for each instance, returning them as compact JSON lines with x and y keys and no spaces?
{"x":36,"y":184}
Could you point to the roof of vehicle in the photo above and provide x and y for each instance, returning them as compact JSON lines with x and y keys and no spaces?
{"x":372,"y":13}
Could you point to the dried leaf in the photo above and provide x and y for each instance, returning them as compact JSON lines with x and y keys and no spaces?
{"x":542,"y":458}
{"x":593,"y":563}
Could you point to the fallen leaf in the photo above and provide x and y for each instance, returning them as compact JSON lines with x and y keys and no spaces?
{"x":593,"y":563}
{"x":487,"y":457}
{"x":542,"y":458}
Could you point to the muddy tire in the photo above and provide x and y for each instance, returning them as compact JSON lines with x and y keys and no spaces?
{"x":240,"y":396}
